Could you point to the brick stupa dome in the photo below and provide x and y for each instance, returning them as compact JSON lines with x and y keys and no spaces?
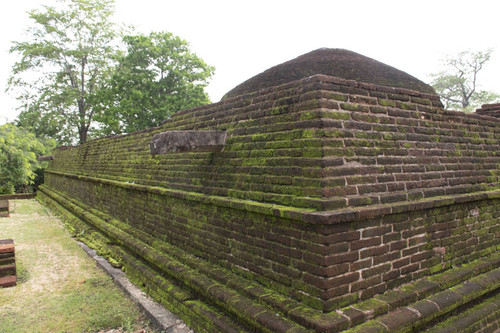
{"x":332,"y":62}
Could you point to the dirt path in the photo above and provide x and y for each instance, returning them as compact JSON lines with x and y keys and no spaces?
{"x":59,"y":289}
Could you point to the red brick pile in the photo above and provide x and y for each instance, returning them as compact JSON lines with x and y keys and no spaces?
{"x":8,"y":277}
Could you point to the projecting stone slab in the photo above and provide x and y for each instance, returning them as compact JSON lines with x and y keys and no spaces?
{"x":187,"y":141}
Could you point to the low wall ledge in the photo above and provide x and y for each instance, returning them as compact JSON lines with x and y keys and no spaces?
{"x":187,"y":141}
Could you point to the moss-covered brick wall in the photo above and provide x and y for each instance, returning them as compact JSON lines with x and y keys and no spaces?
{"x":327,"y":193}
{"x":492,"y":110}
{"x":321,"y":143}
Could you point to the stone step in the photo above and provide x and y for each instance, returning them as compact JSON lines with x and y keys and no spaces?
{"x":439,"y":306}
{"x":484,"y":317}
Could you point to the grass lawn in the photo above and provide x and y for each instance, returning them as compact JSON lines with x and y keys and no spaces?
{"x":60,"y":288}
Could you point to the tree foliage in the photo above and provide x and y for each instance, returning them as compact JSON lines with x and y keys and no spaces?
{"x":18,"y":152}
{"x":157,"y":76}
{"x":63,"y":67}
{"x":457,"y":85}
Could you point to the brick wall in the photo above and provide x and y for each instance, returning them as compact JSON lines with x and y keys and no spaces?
{"x":324,"y":265}
{"x":321,"y":143}
{"x":327,"y":192}
{"x":492,"y":110}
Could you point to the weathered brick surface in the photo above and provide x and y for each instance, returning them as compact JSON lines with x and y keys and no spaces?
{"x":381,"y":252}
{"x":290,"y":145}
{"x":327,"y":192}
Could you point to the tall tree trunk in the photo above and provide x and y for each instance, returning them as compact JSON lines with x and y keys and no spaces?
{"x":82,"y":131}
{"x":82,"y":126}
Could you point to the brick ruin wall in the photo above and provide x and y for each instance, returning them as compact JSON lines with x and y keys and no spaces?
{"x":327,"y":192}
{"x":492,"y":110}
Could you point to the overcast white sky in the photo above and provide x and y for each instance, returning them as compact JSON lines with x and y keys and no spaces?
{"x":244,"y":38}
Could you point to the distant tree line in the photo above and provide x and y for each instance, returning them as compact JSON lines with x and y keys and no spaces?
{"x":79,"y":76}
{"x":19,"y":168}
{"x":457,"y":84}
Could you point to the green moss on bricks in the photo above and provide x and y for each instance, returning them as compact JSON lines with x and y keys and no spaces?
{"x":386,"y":102}
{"x":278,"y":110}
{"x":195,"y":313}
{"x":280,"y":147}
{"x":78,"y":228}
{"x":322,"y":322}
{"x":310,"y":115}
{"x":309,"y":133}
{"x":372,"y":307}
{"x":369,"y":327}
{"x":337,"y":96}
{"x":337,"y":115}
{"x":354,"y":107}
{"x":394,"y":136}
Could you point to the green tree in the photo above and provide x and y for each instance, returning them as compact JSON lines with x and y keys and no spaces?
{"x":67,"y":60}
{"x":457,"y":85}
{"x":157,"y":76}
{"x":18,"y":152}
